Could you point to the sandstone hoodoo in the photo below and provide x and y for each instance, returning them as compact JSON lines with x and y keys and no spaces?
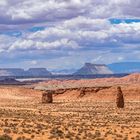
{"x":47,"y":97}
{"x":120,"y":98}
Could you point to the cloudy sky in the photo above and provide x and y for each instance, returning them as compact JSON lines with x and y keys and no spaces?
{"x":59,"y":34}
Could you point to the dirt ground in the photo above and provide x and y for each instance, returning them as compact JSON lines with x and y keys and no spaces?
{"x":24,"y":117}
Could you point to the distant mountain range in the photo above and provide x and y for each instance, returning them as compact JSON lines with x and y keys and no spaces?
{"x":87,"y":69}
{"x":125,"y":67}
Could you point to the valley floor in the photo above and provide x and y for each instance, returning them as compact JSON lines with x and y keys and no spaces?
{"x":24,"y":117}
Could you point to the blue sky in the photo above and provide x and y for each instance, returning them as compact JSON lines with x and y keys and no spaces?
{"x":127,"y":21}
{"x":59,"y":34}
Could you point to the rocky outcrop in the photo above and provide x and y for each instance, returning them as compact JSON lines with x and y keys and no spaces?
{"x":99,"y":94}
{"x":47,"y":97}
{"x":82,"y":92}
{"x":120,"y":98}
{"x":91,"y":69}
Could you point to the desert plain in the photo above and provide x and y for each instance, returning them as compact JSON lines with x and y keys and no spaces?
{"x":71,"y":116}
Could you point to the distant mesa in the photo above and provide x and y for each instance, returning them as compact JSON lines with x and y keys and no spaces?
{"x":64,"y":71}
{"x":91,"y":69}
{"x":12,"y":72}
{"x":21,"y":72}
{"x":88,"y":69}
{"x":38,"y":72}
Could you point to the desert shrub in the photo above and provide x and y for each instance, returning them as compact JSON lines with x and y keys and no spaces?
{"x":7,"y":131}
{"x":5,"y":137}
{"x":23,"y":138}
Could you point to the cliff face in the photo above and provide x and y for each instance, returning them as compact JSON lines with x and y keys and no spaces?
{"x":98,"y":94}
{"x":90,"y":69}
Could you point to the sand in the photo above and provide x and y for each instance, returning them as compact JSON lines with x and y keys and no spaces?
{"x":70,"y":117}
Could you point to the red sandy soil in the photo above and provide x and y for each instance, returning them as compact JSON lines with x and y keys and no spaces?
{"x":16,"y":94}
{"x":23,"y":116}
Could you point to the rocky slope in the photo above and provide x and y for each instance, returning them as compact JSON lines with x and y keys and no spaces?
{"x":90,"y":69}
{"x":59,"y":84}
{"x":103,"y":90}
{"x":99,"y":94}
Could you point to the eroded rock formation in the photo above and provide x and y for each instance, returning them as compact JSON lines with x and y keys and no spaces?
{"x":82,"y":92}
{"x":120,"y":98}
{"x":47,"y":97}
